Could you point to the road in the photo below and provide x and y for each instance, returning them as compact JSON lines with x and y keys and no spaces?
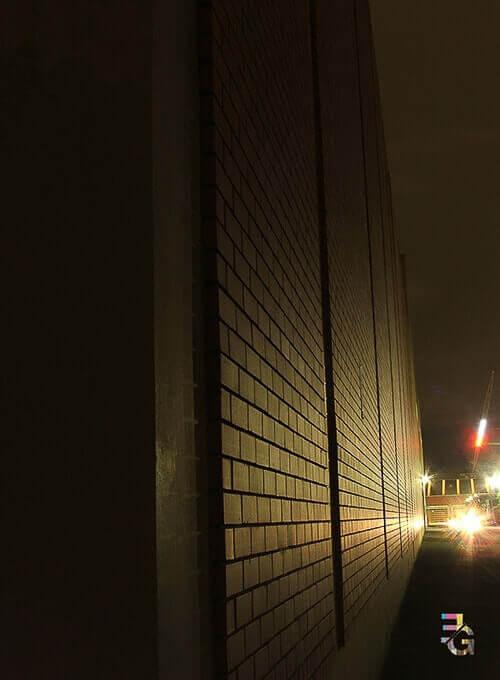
{"x":450,"y":576}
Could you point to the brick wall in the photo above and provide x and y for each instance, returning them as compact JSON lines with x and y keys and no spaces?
{"x":139,"y":546}
{"x":296,"y":560}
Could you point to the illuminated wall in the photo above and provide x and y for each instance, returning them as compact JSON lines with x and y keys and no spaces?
{"x":314,"y":445}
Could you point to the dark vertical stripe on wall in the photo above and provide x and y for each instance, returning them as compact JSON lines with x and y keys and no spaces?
{"x":383,"y":200}
{"x":372,"y":295}
{"x":328,"y":345}
{"x":388,"y":239}
{"x":396,"y":453}
{"x":209,"y":428}
{"x":206,"y":374}
{"x":397,"y":286}
{"x":396,"y":458}
{"x":406,"y":388}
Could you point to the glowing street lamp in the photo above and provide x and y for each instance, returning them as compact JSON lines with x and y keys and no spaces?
{"x":481,"y":432}
{"x":482,"y":423}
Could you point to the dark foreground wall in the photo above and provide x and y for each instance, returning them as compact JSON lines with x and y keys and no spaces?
{"x":213,"y":449}
{"x":78,"y":470}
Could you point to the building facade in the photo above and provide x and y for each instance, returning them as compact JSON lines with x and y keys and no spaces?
{"x":215,"y":461}
{"x":449,"y":498}
{"x":314,"y":443}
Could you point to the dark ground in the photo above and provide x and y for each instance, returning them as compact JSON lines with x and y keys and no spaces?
{"x":449,"y":576}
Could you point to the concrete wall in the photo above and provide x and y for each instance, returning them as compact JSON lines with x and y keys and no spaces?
{"x":79,"y":440}
{"x":184,"y":603}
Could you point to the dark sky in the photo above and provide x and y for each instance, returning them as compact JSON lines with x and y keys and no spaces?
{"x":439,"y":70}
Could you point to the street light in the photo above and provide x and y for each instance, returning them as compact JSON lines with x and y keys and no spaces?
{"x":493,"y":482}
{"x":480,"y":432}
{"x":425,"y":479}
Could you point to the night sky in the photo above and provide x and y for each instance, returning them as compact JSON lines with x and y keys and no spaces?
{"x":439,"y":70}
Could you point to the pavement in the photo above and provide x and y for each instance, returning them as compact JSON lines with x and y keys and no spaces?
{"x":451,"y":575}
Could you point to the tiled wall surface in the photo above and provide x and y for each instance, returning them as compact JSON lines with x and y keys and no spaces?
{"x":275,"y":585}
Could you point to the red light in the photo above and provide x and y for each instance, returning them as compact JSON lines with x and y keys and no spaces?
{"x":480,"y":433}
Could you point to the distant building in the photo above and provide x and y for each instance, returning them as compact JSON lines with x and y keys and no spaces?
{"x":445,"y":498}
